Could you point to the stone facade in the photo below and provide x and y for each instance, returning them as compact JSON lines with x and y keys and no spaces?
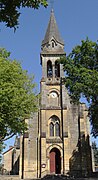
{"x":57,"y":141}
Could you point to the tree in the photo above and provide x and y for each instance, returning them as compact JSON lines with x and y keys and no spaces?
{"x":9,"y":10}
{"x":81,"y":67}
{"x":1,"y":149}
{"x":95,"y":150}
{"x":17,"y":96}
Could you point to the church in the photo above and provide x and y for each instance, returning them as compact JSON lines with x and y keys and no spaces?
{"x":57,"y":141}
{"x":58,"y":136}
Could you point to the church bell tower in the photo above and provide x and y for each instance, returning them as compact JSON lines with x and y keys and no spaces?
{"x":60,"y":130}
{"x":53,"y":106}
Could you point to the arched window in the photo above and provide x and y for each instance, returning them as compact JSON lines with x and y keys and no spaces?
{"x":52,"y":44}
{"x":57,"y":129}
{"x":49,"y":69}
{"x":57,"y":69}
{"x":54,"y":126}
{"x":51,"y":129}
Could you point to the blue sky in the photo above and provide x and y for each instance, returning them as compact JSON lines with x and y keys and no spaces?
{"x":76,"y":20}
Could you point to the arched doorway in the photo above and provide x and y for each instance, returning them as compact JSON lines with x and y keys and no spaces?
{"x":55,"y":161}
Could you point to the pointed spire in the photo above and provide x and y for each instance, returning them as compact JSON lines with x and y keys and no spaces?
{"x":52,"y":30}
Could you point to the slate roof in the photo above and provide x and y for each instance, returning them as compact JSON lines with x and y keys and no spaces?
{"x":52,"y":30}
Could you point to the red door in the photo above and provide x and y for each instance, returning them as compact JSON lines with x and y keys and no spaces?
{"x":55,"y":161}
{"x":52,"y":162}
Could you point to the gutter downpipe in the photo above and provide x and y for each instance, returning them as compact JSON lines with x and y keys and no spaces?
{"x":61,"y":103}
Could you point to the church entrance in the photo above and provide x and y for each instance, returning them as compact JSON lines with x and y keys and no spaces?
{"x":55,"y":161}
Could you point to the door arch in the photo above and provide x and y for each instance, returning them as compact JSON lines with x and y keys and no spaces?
{"x":55,"y":161}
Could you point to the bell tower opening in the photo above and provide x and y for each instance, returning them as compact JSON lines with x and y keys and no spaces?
{"x":57,"y":69}
{"x":55,"y":161}
{"x":49,"y":69}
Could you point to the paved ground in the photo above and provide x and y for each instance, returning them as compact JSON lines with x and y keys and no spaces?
{"x":54,"y":177}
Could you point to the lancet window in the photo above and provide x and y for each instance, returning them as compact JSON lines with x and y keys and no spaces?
{"x":51,"y":129}
{"x":49,"y":69}
{"x":57,"y":69}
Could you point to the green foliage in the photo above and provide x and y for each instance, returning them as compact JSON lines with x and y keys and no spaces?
{"x":17,"y":97}
{"x":9,"y":10}
{"x":1,"y":149}
{"x":95,"y":150}
{"x":81,"y":67}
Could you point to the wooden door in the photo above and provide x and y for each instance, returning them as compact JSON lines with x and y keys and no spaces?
{"x":52,"y":162}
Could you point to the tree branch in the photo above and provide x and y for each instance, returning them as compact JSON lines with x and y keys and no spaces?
{"x":4,"y":139}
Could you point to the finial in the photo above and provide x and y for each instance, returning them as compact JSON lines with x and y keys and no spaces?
{"x":52,"y":10}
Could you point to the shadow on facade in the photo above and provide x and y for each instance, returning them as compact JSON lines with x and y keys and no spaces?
{"x":80,"y":163}
{"x":15,"y":166}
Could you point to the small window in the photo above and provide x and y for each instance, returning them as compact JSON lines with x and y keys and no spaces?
{"x":51,"y":129}
{"x":57,"y":129}
{"x":52,"y":44}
